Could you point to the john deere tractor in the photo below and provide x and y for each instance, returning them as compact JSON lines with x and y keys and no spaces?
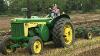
{"x":32,"y":33}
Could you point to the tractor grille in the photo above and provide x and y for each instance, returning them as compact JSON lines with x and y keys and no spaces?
{"x":17,"y":29}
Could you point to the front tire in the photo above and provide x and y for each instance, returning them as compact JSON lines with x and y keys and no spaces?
{"x":63,"y":33}
{"x":35,"y":45}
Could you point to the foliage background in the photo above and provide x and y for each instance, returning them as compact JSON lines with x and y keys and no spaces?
{"x":41,"y":6}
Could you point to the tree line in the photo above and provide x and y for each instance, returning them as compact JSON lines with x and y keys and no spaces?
{"x":41,"y":6}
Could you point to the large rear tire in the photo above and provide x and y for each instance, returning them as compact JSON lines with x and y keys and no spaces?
{"x":63,"y":33}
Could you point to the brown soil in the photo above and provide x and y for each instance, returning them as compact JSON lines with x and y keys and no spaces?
{"x":92,"y":52}
{"x":4,"y":23}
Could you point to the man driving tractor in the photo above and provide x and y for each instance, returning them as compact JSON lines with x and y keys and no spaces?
{"x":55,"y":11}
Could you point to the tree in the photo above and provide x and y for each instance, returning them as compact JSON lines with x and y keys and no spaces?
{"x":3,"y":7}
{"x":41,"y":6}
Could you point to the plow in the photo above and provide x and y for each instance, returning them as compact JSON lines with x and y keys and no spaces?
{"x":87,"y":29}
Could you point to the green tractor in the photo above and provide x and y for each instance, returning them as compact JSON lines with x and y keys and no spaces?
{"x":32,"y":33}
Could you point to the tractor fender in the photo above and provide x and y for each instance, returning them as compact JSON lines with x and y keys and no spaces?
{"x":59,"y":17}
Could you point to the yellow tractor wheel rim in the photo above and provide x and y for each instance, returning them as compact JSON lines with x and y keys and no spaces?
{"x":68,"y":34}
{"x":37,"y":46}
{"x":9,"y":50}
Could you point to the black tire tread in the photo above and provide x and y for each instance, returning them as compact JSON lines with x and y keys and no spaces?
{"x":57,"y":32}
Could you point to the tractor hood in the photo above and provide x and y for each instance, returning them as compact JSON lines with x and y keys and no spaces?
{"x":32,"y":19}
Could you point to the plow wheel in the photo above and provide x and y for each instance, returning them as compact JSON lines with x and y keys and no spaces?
{"x":89,"y":35}
{"x":63,"y":33}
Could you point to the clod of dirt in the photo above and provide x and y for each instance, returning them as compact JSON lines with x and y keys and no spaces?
{"x":5,"y":33}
